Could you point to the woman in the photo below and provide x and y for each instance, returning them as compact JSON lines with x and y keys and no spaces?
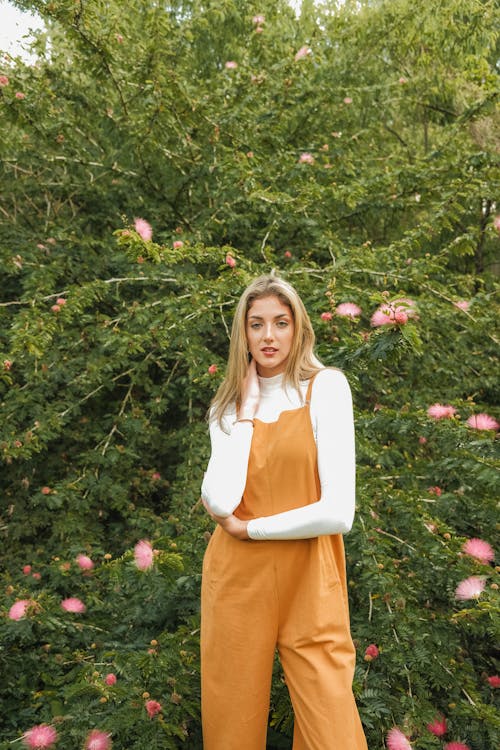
{"x":280,"y":484}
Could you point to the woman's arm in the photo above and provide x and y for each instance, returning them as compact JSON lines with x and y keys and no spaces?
{"x":333,"y":513}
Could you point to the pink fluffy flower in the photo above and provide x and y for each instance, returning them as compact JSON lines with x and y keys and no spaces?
{"x":84,"y":562}
{"x":19,"y":609}
{"x":306,"y":158}
{"x":231,"y":65}
{"x":212,"y":369}
{"x":326,"y":316}
{"x":479,"y":549}
{"x":456,"y":746}
{"x":230,"y":261}
{"x":441,"y":411}
{"x":156,"y":475}
{"x":20,"y":95}
{"x":347,"y":100}
{"x":143,"y":554}
{"x":27,"y":570}
{"x":482,"y":422}
{"x":438,"y":726}
{"x":97,"y":740}
{"x":110,"y":679}
{"x":39,"y":737}
{"x":470,"y":588}
{"x":371,"y":652}
{"x":348,"y":310}
{"x":496,"y":220}
{"x":435,"y":490}
{"x":396,"y":312}
{"x":153,"y":708}
{"x":73,"y":604}
{"x":259,"y":19}
{"x":4,"y":81}
{"x":302,"y":52}
{"x":462,"y":304}
{"x":178,"y":244}
{"x":143,"y":229}
{"x":396,"y":740}
{"x":494,"y":681}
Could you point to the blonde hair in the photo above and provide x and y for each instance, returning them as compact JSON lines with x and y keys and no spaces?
{"x":302,"y":362}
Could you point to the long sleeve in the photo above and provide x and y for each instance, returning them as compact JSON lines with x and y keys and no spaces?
{"x":331,"y":409}
{"x":226,"y":473}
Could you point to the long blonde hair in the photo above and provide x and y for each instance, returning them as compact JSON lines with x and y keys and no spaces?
{"x":302,"y":362}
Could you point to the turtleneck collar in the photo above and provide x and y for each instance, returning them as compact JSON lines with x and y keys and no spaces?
{"x":268,"y":386}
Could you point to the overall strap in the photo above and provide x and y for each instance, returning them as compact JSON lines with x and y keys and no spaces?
{"x":309,"y":388}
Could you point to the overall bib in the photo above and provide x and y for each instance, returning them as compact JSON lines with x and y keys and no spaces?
{"x":291,"y":595}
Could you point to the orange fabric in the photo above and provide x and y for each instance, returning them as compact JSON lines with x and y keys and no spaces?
{"x":292,"y":595}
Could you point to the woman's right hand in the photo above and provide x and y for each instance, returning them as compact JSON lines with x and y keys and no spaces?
{"x":250,"y":393}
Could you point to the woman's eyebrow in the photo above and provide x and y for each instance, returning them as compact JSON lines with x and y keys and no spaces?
{"x":258,"y":317}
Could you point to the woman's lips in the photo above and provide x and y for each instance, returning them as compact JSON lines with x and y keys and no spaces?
{"x":269,"y":351}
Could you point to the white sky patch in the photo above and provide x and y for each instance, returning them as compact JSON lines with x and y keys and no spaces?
{"x":15,"y":26}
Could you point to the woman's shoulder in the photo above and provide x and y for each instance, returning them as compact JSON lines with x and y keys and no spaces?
{"x":330,"y":380}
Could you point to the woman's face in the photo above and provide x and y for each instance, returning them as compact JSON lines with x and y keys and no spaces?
{"x":270,"y":329}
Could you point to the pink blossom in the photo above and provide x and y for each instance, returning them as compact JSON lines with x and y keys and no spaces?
{"x":422,"y":440}
{"x":348,"y":310}
{"x":441,"y":411}
{"x":178,"y":244}
{"x":287,"y":254}
{"x":40,"y":737}
{"x":7,"y":364}
{"x":259,"y":19}
{"x":97,"y":740}
{"x":230,"y":261}
{"x":119,"y":38}
{"x":326,"y":316}
{"x":110,"y":679}
{"x":479,"y":549}
{"x":61,"y":301}
{"x":84,"y":562}
{"x":37,"y":576}
{"x":456,"y":746}
{"x":143,"y":229}
{"x":152,"y":707}
{"x":156,"y":475}
{"x":45,"y":490}
{"x":73,"y":604}
{"x":347,"y":100}
{"x":143,"y":554}
{"x":306,"y":158}
{"x":4,"y":81}
{"x":20,"y":95}
{"x":396,"y":312}
{"x":303,"y":52}
{"x":494,"y":681}
{"x":19,"y":609}
{"x":462,"y":304}
{"x":496,"y":220}
{"x":371,"y":652}
{"x":55,"y":308}
{"x":435,"y":490}
{"x":438,"y":726}
{"x":396,"y":740}
{"x":259,"y":29}
{"x":482,"y":422}
{"x":212,"y":369}
{"x":470,"y":588}
{"x":231,"y":65}
{"x":403,"y":80}
{"x":250,"y":154}
{"x":27,"y":570}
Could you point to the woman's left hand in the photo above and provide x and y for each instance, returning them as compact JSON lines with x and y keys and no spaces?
{"x":231,"y":524}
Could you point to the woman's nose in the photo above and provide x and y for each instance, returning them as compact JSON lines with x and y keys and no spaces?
{"x":268,"y":332}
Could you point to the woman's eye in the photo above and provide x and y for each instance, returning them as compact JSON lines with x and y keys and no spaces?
{"x":282,"y":324}
{"x":255,"y":325}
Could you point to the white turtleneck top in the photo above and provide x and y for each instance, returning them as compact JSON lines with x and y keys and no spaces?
{"x":333,"y":428}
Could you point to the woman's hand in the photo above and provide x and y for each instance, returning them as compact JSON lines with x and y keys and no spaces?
{"x":231,"y":524}
{"x":250,"y":393}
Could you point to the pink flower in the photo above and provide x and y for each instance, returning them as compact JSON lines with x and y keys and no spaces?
{"x":97,"y":740}
{"x":496,"y":220}
{"x":119,"y":38}
{"x":178,"y":244}
{"x":230,"y":261}
{"x":7,"y":364}
{"x":441,"y":411}
{"x":152,"y":707}
{"x":462,"y":304}
{"x":303,"y":52}
{"x":45,"y":490}
{"x":456,"y":746}
{"x":422,"y":440}
{"x":212,"y":369}
{"x":371,"y":652}
{"x":156,"y":475}
{"x":84,"y":562}
{"x":306,"y":158}
{"x":110,"y":679}
{"x":20,"y":95}
{"x":326,"y":316}
{"x":231,"y":65}
{"x":438,"y":726}
{"x":19,"y":609}
{"x":396,"y":740}
{"x":482,"y":422}
{"x":37,"y":576}
{"x":470,"y":588}
{"x":72,"y":604}
{"x":347,"y":100}
{"x":396,"y":312}
{"x":287,"y":254}
{"x":143,"y":229}
{"x":61,"y":301}
{"x":40,"y":737}
{"x":250,"y":154}
{"x":259,"y":19}
{"x":348,"y":310}
{"x":435,"y":490}
{"x":494,"y":681}
{"x":143,"y":555}
{"x":403,"y":80}
{"x":27,"y":570}
{"x":4,"y":81}
{"x":479,"y":549}
{"x":55,"y":308}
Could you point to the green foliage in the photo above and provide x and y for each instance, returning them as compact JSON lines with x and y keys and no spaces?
{"x":364,"y":170}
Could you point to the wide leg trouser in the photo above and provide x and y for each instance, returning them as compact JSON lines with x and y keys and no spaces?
{"x":260,"y":596}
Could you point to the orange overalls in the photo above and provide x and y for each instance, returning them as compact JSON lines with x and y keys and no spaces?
{"x":292,"y":595}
